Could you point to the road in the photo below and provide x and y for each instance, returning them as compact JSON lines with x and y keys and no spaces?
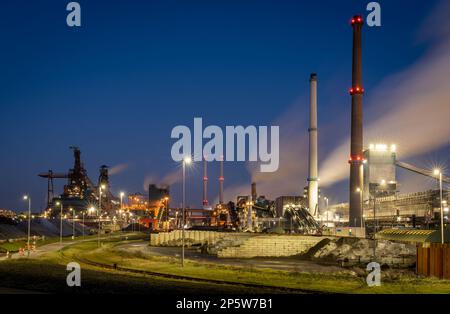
{"x":54,"y":247}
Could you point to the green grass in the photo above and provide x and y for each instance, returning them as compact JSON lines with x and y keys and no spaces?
{"x":323,"y":282}
{"x":309,"y":281}
{"x":48,"y":274}
{"x":49,"y":270}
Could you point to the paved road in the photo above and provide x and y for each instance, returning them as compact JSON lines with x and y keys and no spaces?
{"x":289,"y":264}
{"x":54,"y":247}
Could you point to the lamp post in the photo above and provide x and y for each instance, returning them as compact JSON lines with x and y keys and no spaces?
{"x":186,"y":161}
{"x":438,"y":173}
{"x":122,"y":194}
{"x":99,"y":211}
{"x":359,"y":190}
{"x":73,"y":222}
{"x":28,"y":198}
{"x":326,"y":202}
{"x":82,"y":228}
{"x":60,"y":221}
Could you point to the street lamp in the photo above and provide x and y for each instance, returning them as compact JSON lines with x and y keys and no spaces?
{"x":73,"y":223}
{"x":122,"y":194}
{"x":359,"y":190}
{"x":99,"y":210}
{"x":60,"y":221}
{"x":438,"y":173}
{"x":186,"y":161}
{"x":28,"y":198}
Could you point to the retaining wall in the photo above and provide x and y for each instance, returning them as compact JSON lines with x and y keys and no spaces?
{"x":241,"y":245}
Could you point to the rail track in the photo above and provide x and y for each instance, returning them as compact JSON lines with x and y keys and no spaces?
{"x":192,"y":279}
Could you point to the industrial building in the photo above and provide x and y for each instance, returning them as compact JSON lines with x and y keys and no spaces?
{"x":80,"y":193}
{"x":379,"y":171}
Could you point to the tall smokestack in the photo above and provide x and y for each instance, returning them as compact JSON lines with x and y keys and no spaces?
{"x":254,"y":195}
{"x":356,"y":146}
{"x":313,"y":183}
{"x":221,"y":179}
{"x":205,"y":182}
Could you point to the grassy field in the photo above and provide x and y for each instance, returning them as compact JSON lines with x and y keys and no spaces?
{"x":322,"y":282}
{"x":48,"y":274}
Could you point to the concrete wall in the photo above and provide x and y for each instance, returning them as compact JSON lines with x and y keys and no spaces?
{"x":192,"y":237}
{"x":271,"y":246}
{"x":241,"y":245}
{"x":350,"y":232}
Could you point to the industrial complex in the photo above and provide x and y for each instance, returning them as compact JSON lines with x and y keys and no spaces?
{"x":91,"y":223}
{"x":375,"y":199}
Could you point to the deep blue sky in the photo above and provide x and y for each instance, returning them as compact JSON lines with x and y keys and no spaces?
{"x":117,"y":86}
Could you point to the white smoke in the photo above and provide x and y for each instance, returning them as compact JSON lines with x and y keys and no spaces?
{"x":292,"y":171}
{"x":118,"y":169}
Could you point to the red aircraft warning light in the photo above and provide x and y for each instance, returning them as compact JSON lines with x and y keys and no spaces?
{"x":357,"y":19}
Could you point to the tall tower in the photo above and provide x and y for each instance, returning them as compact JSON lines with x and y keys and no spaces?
{"x":313,"y":183}
{"x":221,"y":179}
{"x":254,"y":193}
{"x":356,"y":145}
{"x":205,"y":182}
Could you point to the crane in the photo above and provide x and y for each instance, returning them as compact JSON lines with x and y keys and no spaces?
{"x":50,"y":175}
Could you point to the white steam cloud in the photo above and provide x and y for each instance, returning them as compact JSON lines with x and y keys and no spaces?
{"x":118,"y":169}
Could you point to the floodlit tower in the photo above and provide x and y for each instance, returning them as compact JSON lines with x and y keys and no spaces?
{"x":356,"y":146}
{"x":221,"y":179}
{"x":205,"y":182}
{"x":313,"y":180}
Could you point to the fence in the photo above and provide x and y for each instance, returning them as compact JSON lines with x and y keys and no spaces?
{"x":433,"y":260}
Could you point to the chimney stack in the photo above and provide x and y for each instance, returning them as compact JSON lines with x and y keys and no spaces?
{"x":313,"y":180}
{"x":221,"y":179}
{"x":205,"y":182}
{"x":356,"y":146}
{"x":254,"y":195}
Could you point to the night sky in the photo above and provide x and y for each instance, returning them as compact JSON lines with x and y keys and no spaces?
{"x":135,"y":69}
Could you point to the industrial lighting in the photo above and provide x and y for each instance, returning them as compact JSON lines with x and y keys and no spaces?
{"x":358,"y":190}
{"x":381,"y":147}
{"x":446,"y":210}
{"x":436,"y":172}
{"x":383,"y":182}
{"x":187,"y":160}
{"x":393,"y":148}
{"x":25,"y":197}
